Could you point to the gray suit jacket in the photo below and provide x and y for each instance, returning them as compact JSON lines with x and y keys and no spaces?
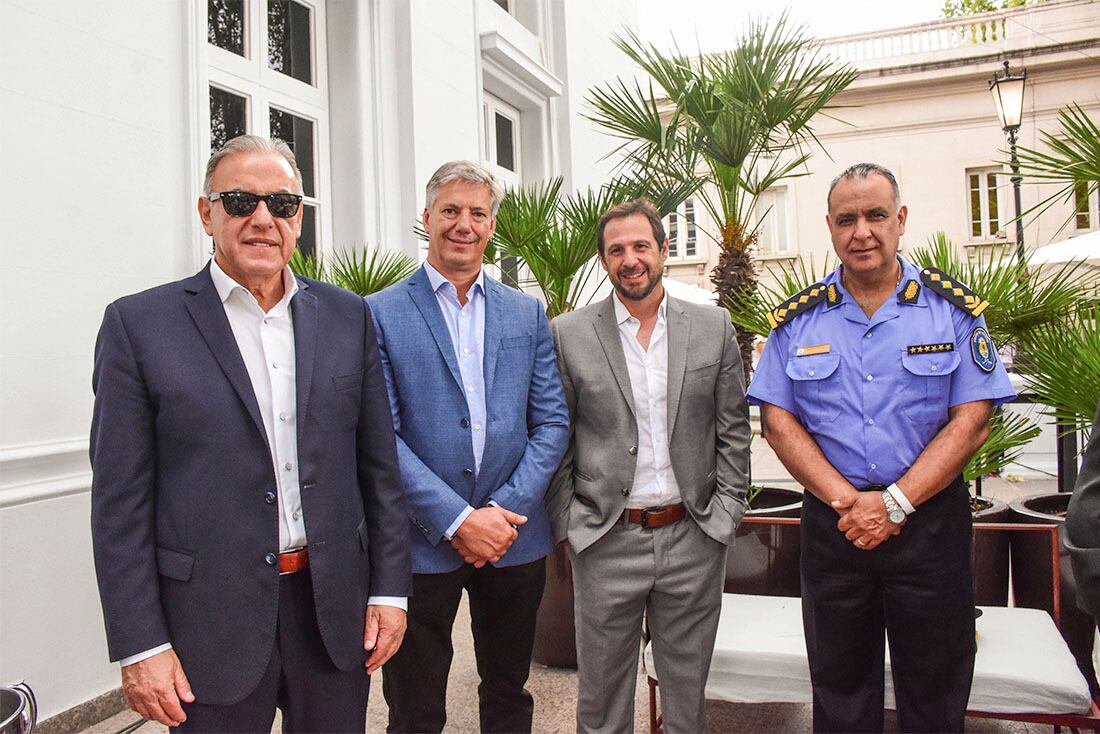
{"x":708,"y":422}
{"x":1083,"y":526}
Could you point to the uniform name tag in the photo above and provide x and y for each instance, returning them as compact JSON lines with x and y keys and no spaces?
{"x":931,"y":348}
{"x":815,"y":349}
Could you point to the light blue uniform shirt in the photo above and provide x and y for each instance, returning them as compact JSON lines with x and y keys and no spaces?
{"x":466,"y":326}
{"x":869,"y":403}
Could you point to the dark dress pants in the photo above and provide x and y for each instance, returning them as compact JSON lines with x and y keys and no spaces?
{"x":300,"y":680}
{"x":918,"y":587}
{"x":503,"y":605}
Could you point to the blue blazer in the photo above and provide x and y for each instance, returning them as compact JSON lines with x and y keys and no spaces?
{"x":184,"y":520}
{"x":528,"y":422}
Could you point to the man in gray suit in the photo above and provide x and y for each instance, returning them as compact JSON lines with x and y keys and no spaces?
{"x":653,"y":483}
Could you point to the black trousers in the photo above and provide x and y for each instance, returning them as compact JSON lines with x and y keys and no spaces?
{"x":918,"y":587}
{"x":503,"y":605}
{"x":300,"y":679}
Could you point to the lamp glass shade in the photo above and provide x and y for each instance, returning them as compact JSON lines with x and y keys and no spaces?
{"x":1008,"y":96}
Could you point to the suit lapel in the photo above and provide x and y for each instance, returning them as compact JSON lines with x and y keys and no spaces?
{"x":420,"y":290}
{"x":677,"y":334}
{"x":492,"y":337}
{"x":209,"y":316}
{"x":607,"y":331}
{"x":303,"y":310}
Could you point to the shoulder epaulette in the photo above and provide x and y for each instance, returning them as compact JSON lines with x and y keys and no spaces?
{"x":953,"y":291}
{"x":796,"y":304}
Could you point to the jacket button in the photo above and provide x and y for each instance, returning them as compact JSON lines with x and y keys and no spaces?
{"x":271,"y":559}
{"x":633,"y":450}
{"x":465,"y":423}
{"x":626,"y":491}
{"x":468,"y":472}
{"x":269,"y":498}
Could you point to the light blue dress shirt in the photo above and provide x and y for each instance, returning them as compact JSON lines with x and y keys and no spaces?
{"x":466,"y":326}
{"x":869,"y":401}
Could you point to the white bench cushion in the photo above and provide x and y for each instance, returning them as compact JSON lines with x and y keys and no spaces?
{"x":1023,"y":665}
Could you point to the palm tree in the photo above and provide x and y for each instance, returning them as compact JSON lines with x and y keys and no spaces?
{"x":362,"y":272}
{"x":1072,"y":158}
{"x":741,"y":119}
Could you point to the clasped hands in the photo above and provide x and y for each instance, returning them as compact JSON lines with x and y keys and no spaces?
{"x":486,"y":535}
{"x":863,"y":519}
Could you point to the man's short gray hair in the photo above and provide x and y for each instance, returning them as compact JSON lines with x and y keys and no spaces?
{"x":464,"y":171}
{"x":250,"y":144}
{"x":861,"y":171}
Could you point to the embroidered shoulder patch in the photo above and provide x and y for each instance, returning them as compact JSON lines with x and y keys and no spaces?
{"x":796,"y":304}
{"x":910,"y":292}
{"x":953,"y":291}
{"x":833,"y":295}
{"x":981,"y":346}
{"x":931,"y":348}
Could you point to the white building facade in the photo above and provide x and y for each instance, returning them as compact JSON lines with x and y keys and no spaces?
{"x":110,"y":110}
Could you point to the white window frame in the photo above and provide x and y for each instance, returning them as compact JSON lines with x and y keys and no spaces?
{"x":987,"y":234}
{"x":766,"y":219}
{"x":493,"y":106}
{"x":678,"y":240}
{"x":263,"y":89}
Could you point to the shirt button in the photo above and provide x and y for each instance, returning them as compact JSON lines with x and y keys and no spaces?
{"x":477,"y":426}
{"x":283,"y":417}
{"x":465,"y":350}
{"x":933,"y":368}
{"x":267,"y":321}
{"x":868,"y":335}
{"x":870,"y":377}
{"x":295,"y":515}
{"x":870,"y":421}
{"x":269,"y":498}
{"x":469,"y":388}
{"x":271,"y":559}
{"x":288,"y":466}
{"x":274,"y":366}
{"x":812,"y":373}
{"x":874,"y":466}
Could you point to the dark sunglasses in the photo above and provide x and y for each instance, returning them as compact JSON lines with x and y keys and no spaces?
{"x":243,"y":203}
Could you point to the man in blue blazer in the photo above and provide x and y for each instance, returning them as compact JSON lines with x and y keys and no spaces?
{"x":481,"y":425}
{"x":247,"y":509}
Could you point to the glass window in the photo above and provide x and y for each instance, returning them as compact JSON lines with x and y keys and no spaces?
{"x":984,"y":202}
{"x":225,"y":25}
{"x":505,"y":142}
{"x":307,"y":243}
{"x":289,"y":37}
{"x":297,"y":132}
{"x":771,"y":234}
{"x":505,"y":4}
{"x":228,"y":117}
{"x":673,"y":234}
{"x":1082,"y":214}
{"x":689,"y":222}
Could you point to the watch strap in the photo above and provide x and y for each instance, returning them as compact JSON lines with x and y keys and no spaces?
{"x":901,"y":499}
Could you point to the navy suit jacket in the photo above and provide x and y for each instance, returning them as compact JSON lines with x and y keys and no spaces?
{"x":182,"y":527}
{"x":528,"y":422}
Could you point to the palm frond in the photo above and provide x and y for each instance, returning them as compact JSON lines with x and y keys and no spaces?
{"x":1008,"y":434}
{"x":1072,"y":158}
{"x":749,"y":309}
{"x":308,"y":265}
{"x":1060,"y":363}
{"x":367,"y":271}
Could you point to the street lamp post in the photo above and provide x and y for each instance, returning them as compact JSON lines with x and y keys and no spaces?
{"x":1007,"y":89}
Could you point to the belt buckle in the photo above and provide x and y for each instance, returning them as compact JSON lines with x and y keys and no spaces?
{"x":645,"y":519}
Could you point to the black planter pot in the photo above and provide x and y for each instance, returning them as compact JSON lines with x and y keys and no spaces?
{"x":1031,"y":582}
{"x":555,"y":630}
{"x":991,"y":553}
{"x":763,"y":559}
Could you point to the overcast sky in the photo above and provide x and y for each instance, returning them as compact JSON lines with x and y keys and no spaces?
{"x":711,"y":25}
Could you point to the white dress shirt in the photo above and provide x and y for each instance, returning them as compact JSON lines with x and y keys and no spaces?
{"x":466,"y":327}
{"x":266,"y":343}
{"x":654,"y":483}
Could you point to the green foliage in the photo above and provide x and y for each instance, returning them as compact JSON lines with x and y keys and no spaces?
{"x":362,"y":272}
{"x":1072,"y":158}
{"x":1008,"y":433}
{"x":749,"y":309}
{"x":1019,"y":301}
{"x":1060,"y":362}
{"x":960,"y":8}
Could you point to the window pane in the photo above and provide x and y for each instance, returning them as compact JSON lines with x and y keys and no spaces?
{"x":506,"y":142}
{"x":503,"y":4}
{"x":297,"y":132}
{"x":307,"y":243}
{"x":228,"y":117}
{"x":1081,"y":205}
{"x":225,"y":25}
{"x":975,"y":206}
{"x":289,"y":34}
{"x":689,"y":220}
{"x":673,"y":234}
{"x":994,"y":210}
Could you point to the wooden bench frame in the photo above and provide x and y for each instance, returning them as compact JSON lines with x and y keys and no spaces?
{"x":1090,"y":720}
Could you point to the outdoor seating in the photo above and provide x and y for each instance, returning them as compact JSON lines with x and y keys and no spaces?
{"x":1023,"y":671}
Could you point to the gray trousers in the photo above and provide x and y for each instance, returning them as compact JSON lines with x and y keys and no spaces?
{"x":673,"y":575}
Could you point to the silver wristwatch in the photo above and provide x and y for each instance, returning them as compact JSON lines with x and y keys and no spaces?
{"x":894,"y":512}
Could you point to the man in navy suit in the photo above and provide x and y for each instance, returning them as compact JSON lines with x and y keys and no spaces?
{"x":481,"y":425}
{"x":247,"y":508}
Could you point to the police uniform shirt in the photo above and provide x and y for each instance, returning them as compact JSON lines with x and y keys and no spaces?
{"x":872,"y":392}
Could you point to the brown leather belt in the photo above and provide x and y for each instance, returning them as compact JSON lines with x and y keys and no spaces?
{"x":657,"y":517}
{"x":293,"y":561}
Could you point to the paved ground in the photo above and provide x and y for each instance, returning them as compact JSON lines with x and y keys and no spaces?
{"x":555,"y":691}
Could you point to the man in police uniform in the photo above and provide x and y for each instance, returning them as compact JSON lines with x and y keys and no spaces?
{"x":876,"y":387}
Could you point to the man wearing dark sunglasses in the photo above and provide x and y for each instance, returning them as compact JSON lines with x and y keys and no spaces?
{"x":247,"y":508}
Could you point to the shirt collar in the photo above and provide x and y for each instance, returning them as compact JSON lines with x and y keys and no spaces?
{"x":908,"y":272}
{"x":226,"y":285}
{"x":438,"y":280}
{"x":622,"y":315}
